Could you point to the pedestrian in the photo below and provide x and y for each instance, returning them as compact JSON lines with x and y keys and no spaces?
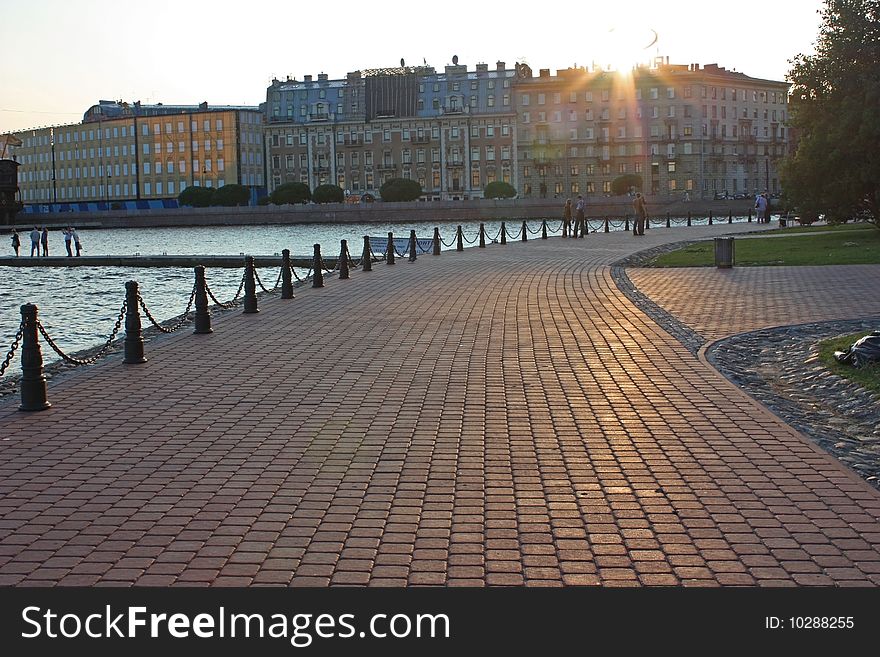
{"x":579,"y":224}
{"x":687,"y":196}
{"x":45,"y":241}
{"x":67,"y":238}
{"x":76,"y":241}
{"x":641,"y":210}
{"x":767,"y":208}
{"x":35,"y":242}
{"x":16,"y":241}
{"x":761,"y":208}
{"x":566,"y":218}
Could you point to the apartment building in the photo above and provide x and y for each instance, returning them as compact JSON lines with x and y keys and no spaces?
{"x":704,"y":130}
{"x":138,"y":155}
{"x":452,"y":131}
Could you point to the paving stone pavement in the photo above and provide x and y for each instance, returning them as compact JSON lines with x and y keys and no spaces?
{"x":502,"y":416}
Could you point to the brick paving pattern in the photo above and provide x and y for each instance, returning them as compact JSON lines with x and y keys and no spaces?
{"x":502,"y":416}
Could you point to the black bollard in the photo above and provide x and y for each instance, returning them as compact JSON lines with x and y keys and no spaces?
{"x":503,"y":233}
{"x":482,"y":236}
{"x":389,"y":252}
{"x":33,"y":381}
{"x":459,"y":240}
{"x":750,"y":215}
{"x":730,"y":217}
{"x":286,"y":277}
{"x":436,"y":240}
{"x":134,"y":339}
{"x":525,"y":230}
{"x":689,"y":218}
{"x":647,"y":222}
{"x":544,"y":229}
{"x":203,"y":317}
{"x":710,"y":217}
{"x":367,"y":258}
{"x":668,"y":224}
{"x":250,"y":287}
{"x":585,"y":227}
{"x":412,"y":246}
{"x":607,"y":228}
{"x":626,"y":223}
{"x":343,"y":260}
{"x":318,"y":268}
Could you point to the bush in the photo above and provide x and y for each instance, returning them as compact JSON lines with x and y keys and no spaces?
{"x":292,"y":192}
{"x":499,"y":189}
{"x":263,"y":200}
{"x":623,"y":184}
{"x":400,"y":189}
{"x":196,"y":197}
{"x":328,"y":194}
{"x":231,"y":195}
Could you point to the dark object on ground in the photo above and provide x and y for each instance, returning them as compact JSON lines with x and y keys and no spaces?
{"x":864,"y":351}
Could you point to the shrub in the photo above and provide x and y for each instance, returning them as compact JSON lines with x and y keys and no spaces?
{"x":400,"y":189}
{"x":231,"y":195}
{"x":196,"y":197}
{"x":622,"y":184}
{"x":292,"y":192}
{"x":499,"y":189}
{"x":328,"y":194}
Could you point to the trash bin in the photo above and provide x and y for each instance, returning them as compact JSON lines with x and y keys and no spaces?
{"x":724,"y":252}
{"x":782,"y":221}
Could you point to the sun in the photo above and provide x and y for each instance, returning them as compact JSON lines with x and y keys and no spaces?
{"x":622,"y":48}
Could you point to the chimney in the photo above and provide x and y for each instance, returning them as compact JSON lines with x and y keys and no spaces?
{"x":307,"y":78}
{"x":482,"y":68}
{"x":500,"y":66}
{"x":544,"y":73}
{"x":322,"y":77}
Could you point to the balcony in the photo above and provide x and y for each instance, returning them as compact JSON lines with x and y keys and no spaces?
{"x":353,"y":142}
{"x":423,"y":139}
{"x":319,"y":116}
{"x":455,"y":164}
{"x":386,"y":166}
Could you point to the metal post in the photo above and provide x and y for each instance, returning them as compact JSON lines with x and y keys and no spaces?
{"x":668,"y":224}
{"x":544,"y":228}
{"x":626,"y":223}
{"x":503,"y":233}
{"x":412,"y":246}
{"x":730,"y":217}
{"x":710,"y":217}
{"x":389,"y":252}
{"x":689,"y":217}
{"x":134,"y":339}
{"x":525,"y":230}
{"x":436,"y":240}
{"x":286,"y":278}
{"x":318,"y":268}
{"x":459,"y":240}
{"x":647,"y":223}
{"x":250,"y":287}
{"x":203,"y":317}
{"x":606,"y":225}
{"x":343,"y":260}
{"x":367,"y":258}
{"x":33,"y":381}
{"x":750,"y":215}
{"x":482,"y":236}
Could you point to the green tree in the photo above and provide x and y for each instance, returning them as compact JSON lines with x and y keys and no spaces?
{"x":292,"y":192}
{"x":622,"y":184}
{"x":835,"y":112}
{"x":197,"y":197}
{"x":328,"y":194}
{"x":400,"y":189}
{"x":499,"y":189}
{"x":231,"y":195}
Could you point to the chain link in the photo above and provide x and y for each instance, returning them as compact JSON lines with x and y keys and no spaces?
{"x":85,"y":361}
{"x":183,"y":318}
{"x":228,"y":304}
{"x":12,"y":349}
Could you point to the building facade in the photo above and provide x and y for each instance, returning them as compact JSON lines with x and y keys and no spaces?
{"x":452,"y":131}
{"x":134,"y":155}
{"x":682,"y":129}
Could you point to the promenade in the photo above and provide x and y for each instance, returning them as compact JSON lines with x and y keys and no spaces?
{"x":500,"y":416}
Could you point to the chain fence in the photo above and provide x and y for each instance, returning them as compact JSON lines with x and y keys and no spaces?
{"x":94,"y":358}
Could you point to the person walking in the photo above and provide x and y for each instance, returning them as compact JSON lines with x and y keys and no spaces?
{"x":16,"y":241}
{"x":67,"y":238}
{"x":566,"y":218}
{"x":44,"y":238}
{"x":579,"y":224}
{"x":76,"y":241}
{"x":761,"y":207}
{"x":641,"y":210}
{"x":35,"y":242}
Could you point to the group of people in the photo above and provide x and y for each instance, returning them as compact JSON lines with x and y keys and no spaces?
{"x":581,"y":227}
{"x":40,"y":238}
{"x":762,"y":205}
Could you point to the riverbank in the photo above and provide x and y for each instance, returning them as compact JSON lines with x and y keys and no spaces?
{"x":378,"y":212}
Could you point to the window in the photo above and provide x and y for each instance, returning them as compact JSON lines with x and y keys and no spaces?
{"x":541,"y":99}
{"x":524,"y":99}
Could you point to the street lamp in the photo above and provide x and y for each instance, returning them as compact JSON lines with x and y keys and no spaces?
{"x":107,"y":194}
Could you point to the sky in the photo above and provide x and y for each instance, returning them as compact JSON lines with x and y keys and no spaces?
{"x":68,"y":54}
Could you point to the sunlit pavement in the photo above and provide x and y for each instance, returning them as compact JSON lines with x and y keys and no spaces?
{"x":501,"y":416}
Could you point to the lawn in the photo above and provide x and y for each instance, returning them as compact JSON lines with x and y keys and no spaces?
{"x":809,"y":246}
{"x":867,"y":377}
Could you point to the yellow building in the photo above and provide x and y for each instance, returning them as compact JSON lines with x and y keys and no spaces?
{"x":130,"y":156}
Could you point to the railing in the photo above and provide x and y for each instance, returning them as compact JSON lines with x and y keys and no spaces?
{"x":375,"y":249}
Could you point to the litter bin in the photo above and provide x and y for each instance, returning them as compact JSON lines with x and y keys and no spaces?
{"x":724,"y":252}
{"x":782,"y":221}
